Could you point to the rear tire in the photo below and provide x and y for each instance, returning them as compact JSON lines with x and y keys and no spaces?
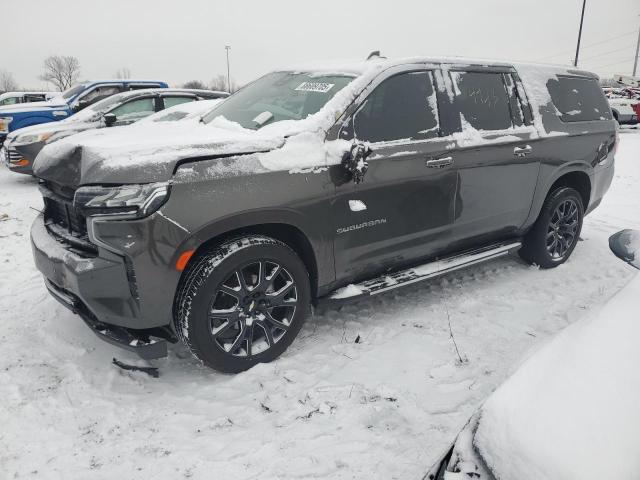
{"x":242,"y":303}
{"x":554,"y":235}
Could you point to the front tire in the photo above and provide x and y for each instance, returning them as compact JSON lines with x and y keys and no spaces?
{"x":554,"y":235}
{"x":242,"y":303}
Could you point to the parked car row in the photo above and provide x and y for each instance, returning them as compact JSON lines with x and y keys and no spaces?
{"x":22,"y":146}
{"x":13,"y":98}
{"x":70,"y":102}
{"x":323,"y":183}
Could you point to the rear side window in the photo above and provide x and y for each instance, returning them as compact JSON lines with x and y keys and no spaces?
{"x":173,"y":101}
{"x":579,"y":99}
{"x":483,"y":100}
{"x":402,"y":107}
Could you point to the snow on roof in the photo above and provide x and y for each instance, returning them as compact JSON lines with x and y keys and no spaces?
{"x":182,"y":111}
{"x":359,"y":67}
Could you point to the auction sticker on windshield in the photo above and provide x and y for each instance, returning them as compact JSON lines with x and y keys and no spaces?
{"x":315,"y":87}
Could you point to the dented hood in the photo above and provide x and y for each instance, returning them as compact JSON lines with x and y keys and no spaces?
{"x":144,"y":153}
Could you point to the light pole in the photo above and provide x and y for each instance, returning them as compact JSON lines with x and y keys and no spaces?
{"x":227,"y":48}
{"x":635,"y":59}
{"x":584,"y":4}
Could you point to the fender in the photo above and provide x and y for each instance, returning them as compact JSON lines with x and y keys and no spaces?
{"x":545,"y":184}
{"x":320,"y":242}
{"x":39,"y":119}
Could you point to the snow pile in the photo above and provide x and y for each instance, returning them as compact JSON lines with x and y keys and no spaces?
{"x":572,"y":410}
{"x":305,"y":150}
{"x":182,"y":111}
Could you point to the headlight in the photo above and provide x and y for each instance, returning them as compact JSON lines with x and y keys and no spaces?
{"x":138,"y":200}
{"x":4,"y":124}
{"x":28,"y":139}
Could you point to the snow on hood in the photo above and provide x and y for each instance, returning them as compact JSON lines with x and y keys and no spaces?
{"x":147,"y":152}
{"x":572,"y":410}
{"x":56,"y":127}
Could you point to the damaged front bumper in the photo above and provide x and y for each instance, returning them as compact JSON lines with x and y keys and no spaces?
{"x":98,"y":289}
{"x":143,"y":345}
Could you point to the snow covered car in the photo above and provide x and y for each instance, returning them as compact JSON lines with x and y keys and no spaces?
{"x":184,"y":111}
{"x":65,"y":104}
{"x":319,"y":183}
{"x":624,"y":102}
{"x":22,"y":146}
{"x":13,"y":98}
{"x":571,"y":410}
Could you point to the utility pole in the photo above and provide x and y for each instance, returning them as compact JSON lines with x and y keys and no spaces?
{"x":635,"y":59}
{"x":227,"y":48}
{"x":584,"y":4}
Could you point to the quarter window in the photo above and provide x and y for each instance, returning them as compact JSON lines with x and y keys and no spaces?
{"x":402,"y":107}
{"x":173,"y":101}
{"x":482,"y":100}
{"x":579,"y":99}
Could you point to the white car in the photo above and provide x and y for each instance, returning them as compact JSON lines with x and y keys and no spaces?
{"x":14,"y":98}
{"x":572,"y":410}
{"x":622,"y":102}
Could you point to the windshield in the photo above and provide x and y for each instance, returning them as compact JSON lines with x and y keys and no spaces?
{"x":279,"y":96}
{"x":73,"y":91}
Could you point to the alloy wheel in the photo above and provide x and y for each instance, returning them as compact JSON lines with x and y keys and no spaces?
{"x":253,"y":308}
{"x":563,"y":229}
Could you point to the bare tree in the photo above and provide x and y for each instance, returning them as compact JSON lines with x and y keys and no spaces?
{"x":7,"y":82}
{"x":61,"y":70}
{"x":220,"y":83}
{"x":122,"y":73}
{"x":195,"y":84}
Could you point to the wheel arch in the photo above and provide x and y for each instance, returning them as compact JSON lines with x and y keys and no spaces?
{"x":574,"y":175}
{"x":285,"y":228}
{"x":578,"y":180}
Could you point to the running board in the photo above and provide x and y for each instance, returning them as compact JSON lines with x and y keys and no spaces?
{"x":438,"y":267}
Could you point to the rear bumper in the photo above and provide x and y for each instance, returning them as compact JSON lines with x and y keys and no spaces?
{"x":600,"y":183}
{"x":98,"y":290}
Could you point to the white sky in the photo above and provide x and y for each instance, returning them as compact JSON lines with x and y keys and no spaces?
{"x":182,"y":40}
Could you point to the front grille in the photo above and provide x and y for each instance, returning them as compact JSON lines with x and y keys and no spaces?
{"x":65,"y":221}
{"x":65,"y":215}
{"x":12,"y":155}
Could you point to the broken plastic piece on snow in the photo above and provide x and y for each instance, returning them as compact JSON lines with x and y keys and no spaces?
{"x":151,"y":371}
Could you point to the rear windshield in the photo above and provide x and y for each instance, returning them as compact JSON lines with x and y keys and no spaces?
{"x":579,"y":99}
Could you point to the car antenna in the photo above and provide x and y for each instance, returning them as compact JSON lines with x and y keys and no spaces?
{"x":375,"y":54}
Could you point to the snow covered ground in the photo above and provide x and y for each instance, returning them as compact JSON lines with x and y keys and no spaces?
{"x":383,"y":407}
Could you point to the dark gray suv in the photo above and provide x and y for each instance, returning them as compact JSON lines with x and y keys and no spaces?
{"x":320,"y":183}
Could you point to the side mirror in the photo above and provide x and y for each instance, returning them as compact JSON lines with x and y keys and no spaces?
{"x":355,"y":161}
{"x":109,"y":119}
{"x":626,"y":246}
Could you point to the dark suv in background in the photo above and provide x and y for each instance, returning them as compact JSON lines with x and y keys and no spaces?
{"x":324,"y":183}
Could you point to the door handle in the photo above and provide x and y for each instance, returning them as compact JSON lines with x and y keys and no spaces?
{"x":439,"y":162}
{"x":522,"y":151}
